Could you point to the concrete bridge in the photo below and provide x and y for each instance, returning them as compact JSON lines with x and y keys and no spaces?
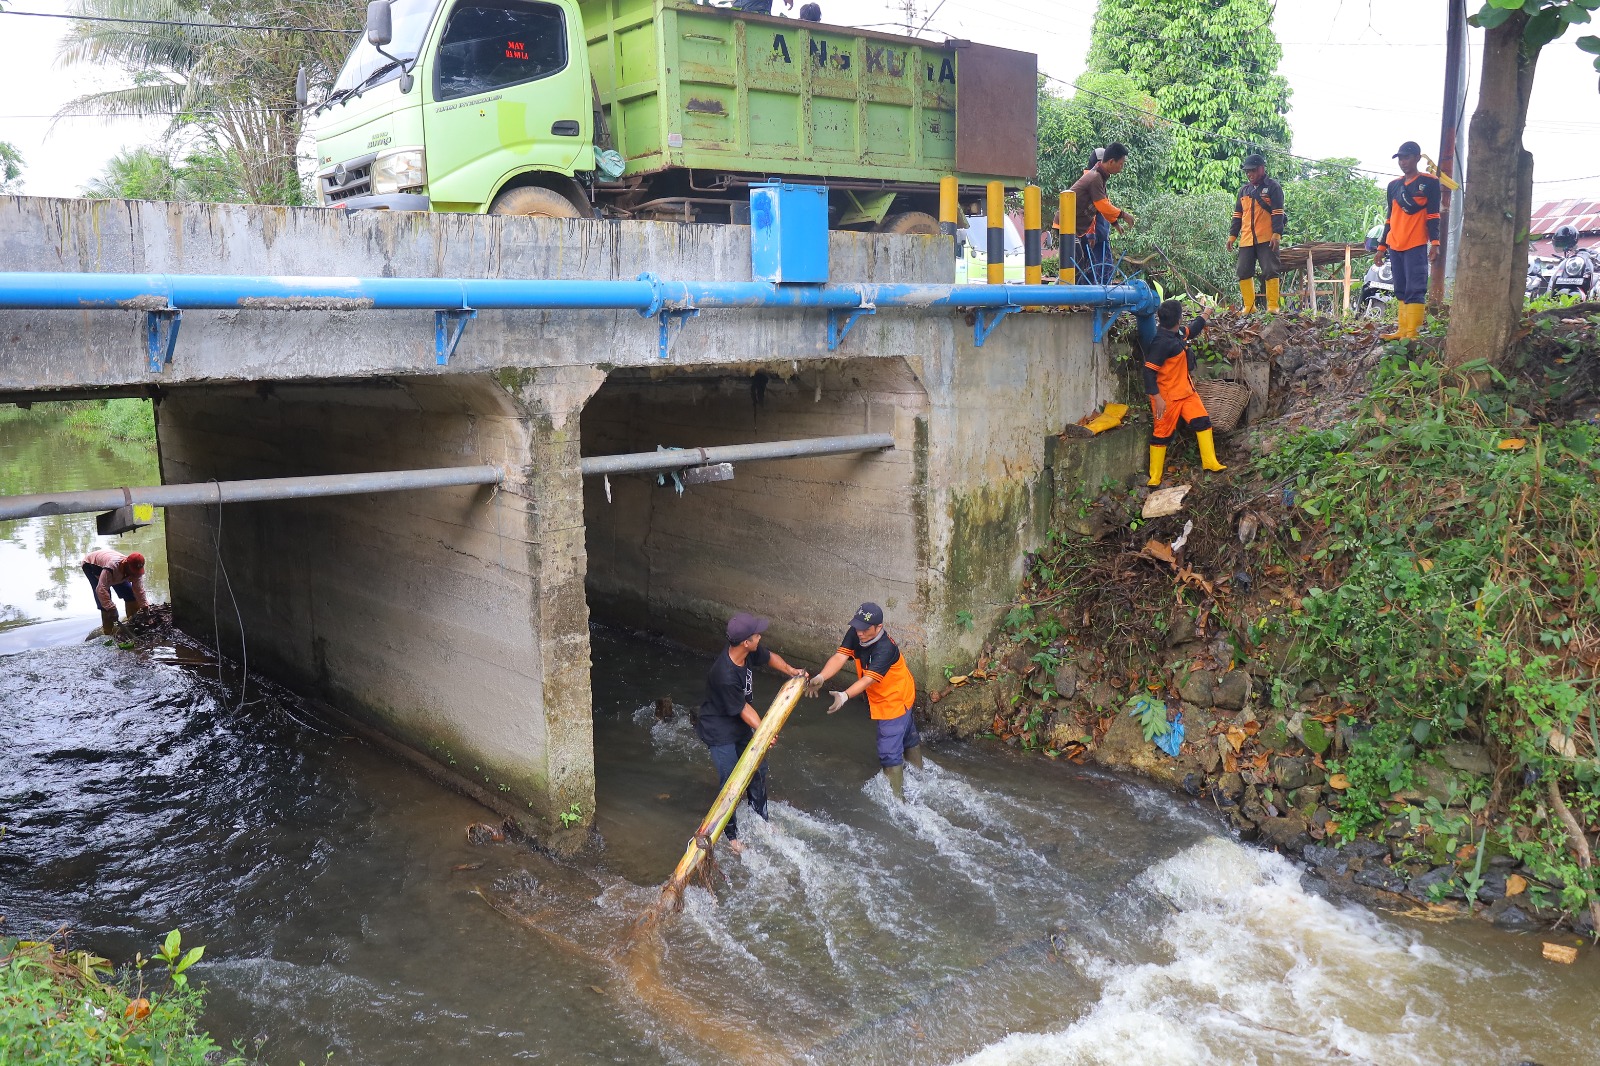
{"x":455,"y":621}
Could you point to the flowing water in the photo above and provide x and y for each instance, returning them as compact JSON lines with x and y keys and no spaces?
{"x":1013,"y":911}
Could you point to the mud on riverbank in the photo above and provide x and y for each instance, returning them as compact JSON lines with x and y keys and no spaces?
{"x":1184,"y":632}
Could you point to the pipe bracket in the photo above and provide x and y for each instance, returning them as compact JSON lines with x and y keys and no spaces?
{"x":839,"y":323}
{"x":1104,"y":317}
{"x":161,"y":336}
{"x":668,"y":317}
{"x":448,"y":325}
{"x":984,"y":321}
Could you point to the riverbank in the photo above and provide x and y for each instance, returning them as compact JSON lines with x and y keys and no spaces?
{"x":1370,"y":644}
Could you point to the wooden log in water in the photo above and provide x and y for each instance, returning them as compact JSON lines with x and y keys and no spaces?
{"x":716,"y":819}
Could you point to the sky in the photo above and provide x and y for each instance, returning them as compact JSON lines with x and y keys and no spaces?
{"x":1365,"y":74}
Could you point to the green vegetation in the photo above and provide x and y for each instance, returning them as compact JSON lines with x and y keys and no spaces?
{"x":1212,"y":66}
{"x":158,"y":174}
{"x":1464,"y":604}
{"x":61,"y":1007}
{"x":11,"y":165}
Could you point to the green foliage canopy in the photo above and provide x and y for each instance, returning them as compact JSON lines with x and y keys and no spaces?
{"x":10,"y":167}
{"x":1547,"y":21}
{"x":211,"y":175}
{"x":1212,"y":66}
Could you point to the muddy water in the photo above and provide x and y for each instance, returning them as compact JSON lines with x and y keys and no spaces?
{"x":1015,"y":910}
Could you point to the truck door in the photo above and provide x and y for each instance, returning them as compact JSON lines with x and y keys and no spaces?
{"x":508,"y":90}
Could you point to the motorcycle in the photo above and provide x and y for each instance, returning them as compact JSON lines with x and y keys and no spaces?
{"x":1377,"y":289}
{"x":1541,"y":273}
{"x":1574,"y":275}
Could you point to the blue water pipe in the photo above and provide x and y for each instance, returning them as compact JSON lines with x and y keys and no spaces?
{"x":163,"y":297}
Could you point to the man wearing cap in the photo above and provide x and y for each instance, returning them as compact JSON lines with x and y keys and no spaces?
{"x":1097,"y":214}
{"x":881,"y":673}
{"x":727,"y":719}
{"x":110,"y":571}
{"x":1410,"y":238}
{"x":1257,"y":228}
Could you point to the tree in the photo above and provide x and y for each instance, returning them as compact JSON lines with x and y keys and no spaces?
{"x":1328,"y":200}
{"x":151,"y":173}
{"x":1106,"y":108}
{"x":10,"y":168}
{"x":1498,"y":200}
{"x":1211,"y":65}
{"x":228,"y":90}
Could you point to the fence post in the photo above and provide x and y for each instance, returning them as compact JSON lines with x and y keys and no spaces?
{"x":1032,"y":223}
{"x":996,"y":217}
{"x":947,"y":210}
{"x":1067,"y":223}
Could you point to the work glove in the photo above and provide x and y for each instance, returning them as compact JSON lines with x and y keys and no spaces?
{"x":108,"y":620}
{"x":814,"y":687}
{"x":839,"y":699}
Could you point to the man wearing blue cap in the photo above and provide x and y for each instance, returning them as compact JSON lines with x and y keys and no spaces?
{"x":727,"y":719}
{"x":881,"y":673}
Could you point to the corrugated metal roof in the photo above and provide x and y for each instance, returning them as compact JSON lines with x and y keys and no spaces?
{"x":1584,"y":215}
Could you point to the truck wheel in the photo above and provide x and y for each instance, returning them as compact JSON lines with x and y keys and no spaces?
{"x":910,"y":222}
{"x":534,"y":200}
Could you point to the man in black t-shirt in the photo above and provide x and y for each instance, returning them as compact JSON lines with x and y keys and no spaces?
{"x":727,"y":718}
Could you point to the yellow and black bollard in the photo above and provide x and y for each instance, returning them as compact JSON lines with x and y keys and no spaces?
{"x":948,"y":194}
{"x":996,"y":217}
{"x":1032,"y":224}
{"x":1067,"y":223}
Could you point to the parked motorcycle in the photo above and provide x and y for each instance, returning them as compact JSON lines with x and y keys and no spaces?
{"x":1570,"y":272}
{"x":1541,"y":269}
{"x":1377,"y":289}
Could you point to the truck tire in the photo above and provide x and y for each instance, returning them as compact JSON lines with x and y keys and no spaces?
{"x":910,"y":222}
{"x":536,"y":201}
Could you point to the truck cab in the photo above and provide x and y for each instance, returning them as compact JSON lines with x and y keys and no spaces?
{"x":661,"y":109}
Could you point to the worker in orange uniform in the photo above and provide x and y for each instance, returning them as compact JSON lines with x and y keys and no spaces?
{"x":881,"y":673}
{"x":1097,"y":214}
{"x":1167,"y":365}
{"x":1410,"y":238}
{"x":1257,"y":227}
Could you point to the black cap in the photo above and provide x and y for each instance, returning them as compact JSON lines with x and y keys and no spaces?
{"x":743,"y":626}
{"x":1254,"y":160}
{"x":867,"y":616}
{"x":1409,"y":148}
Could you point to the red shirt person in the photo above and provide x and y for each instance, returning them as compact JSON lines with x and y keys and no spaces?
{"x":110,"y":571}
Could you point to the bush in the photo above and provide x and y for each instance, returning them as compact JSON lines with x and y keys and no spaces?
{"x":56,"y":1009}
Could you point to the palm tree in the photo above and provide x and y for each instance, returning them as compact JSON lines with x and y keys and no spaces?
{"x":232,"y":88}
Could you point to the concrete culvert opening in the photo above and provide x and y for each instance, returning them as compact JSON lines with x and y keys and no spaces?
{"x":801,"y":541}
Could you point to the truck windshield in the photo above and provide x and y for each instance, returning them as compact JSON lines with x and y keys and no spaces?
{"x":490,"y":44}
{"x":411,"y":18}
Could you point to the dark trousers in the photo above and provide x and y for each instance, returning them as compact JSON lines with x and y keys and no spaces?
{"x":895,"y":737}
{"x":724,"y":757}
{"x":1094,"y":255}
{"x":1410,"y":274}
{"x":1263,"y":255}
{"x":123,"y":589}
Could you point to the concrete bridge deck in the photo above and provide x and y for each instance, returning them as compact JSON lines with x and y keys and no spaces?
{"x":456,"y":620}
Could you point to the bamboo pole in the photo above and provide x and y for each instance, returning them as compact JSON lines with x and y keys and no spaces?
{"x":727,"y":801}
{"x":1311,"y":280}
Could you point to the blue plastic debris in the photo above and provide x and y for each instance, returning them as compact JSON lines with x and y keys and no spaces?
{"x":1152,"y":716}
{"x":1173,"y":741}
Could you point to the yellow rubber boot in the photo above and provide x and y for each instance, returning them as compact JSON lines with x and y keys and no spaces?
{"x":1208,"y":451}
{"x":1109,"y":418}
{"x":1412,"y":324}
{"x":1158,"y":464}
{"x":1273,"y":295}
{"x":1247,"y":293}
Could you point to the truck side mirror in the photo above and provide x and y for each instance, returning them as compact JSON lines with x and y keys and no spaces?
{"x":301,"y":94}
{"x":380,"y":23}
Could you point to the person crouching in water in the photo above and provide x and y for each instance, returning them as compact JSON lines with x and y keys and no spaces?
{"x":110,"y":571}
{"x":1167,"y":366}
{"x":881,"y":673}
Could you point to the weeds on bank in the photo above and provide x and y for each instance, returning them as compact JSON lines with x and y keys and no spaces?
{"x":1453,"y":588}
{"x":60,"y":1006}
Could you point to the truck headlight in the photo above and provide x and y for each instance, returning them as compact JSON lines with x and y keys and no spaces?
{"x":399,"y":170}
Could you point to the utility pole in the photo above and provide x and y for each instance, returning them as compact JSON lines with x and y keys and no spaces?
{"x":1450,"y":122}
{"x":909,"y":8}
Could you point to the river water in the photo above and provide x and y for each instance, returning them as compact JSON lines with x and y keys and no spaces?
{"x":1014,"y":911}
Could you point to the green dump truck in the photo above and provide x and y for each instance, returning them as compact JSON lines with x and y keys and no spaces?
{"x":661,"y":109}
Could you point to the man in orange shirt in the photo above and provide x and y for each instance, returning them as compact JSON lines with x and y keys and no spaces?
{"x":1167,"y":365}
{"x":881,"y":673}
{"x":1257,"y":227}
{"x":1097,"y":214}
{"x":1410,"y":238}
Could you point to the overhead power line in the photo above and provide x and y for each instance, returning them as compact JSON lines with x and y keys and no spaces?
{"x":193,"y":25}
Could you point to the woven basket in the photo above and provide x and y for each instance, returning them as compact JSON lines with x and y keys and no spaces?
{"x":1225,"y":402}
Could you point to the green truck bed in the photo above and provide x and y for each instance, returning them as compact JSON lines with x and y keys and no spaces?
{"x":683,"y":85}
